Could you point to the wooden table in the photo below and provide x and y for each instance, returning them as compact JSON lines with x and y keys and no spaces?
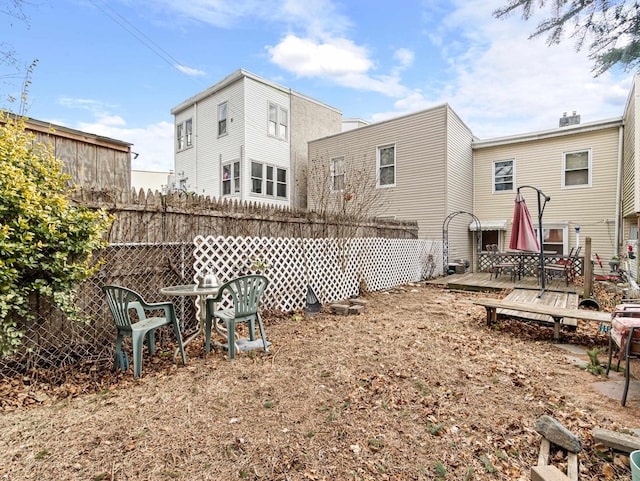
{"x":557,"y":313}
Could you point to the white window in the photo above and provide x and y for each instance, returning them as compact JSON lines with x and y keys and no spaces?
{"x":278,"y":123}
{"x":222,"y":119}
{"x":180,"y":136}
{"x":386,"y":161}
{"x":503,"y":175}
{"x":231,"y":178}
{"x":555,"y":239}
{"x":337,"y":174}
{"x":281,"y":183}
{"x":188,"y":128}
{"x":184,"y":134}
{"x":577,"y":169}
{"x":268,"y":180}
{"x":257,"y":178}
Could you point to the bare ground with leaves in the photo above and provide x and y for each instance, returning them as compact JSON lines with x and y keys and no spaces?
{"x":416,"y":388}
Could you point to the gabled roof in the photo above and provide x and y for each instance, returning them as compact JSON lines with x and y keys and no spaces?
{"x":547,"y":134}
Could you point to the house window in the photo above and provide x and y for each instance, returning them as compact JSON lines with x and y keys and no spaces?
{"x":222,"y":119}
{"x":231,"y":178}
{"x":278,"y":125}
{"x":256,"y":178}
{"x":554,"y":240}
{"x":387,"y":166}
{"x":503,"y":176}
{"x":180,"y":136}
{"x":184,"y":131}
{"x":268,"y":180}
{"x":577,"y":169}
{"x":337,"y":174}
{"x":281,"y":183}
{"x":188,"y":128}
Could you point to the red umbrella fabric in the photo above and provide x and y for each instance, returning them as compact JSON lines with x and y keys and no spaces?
{"x":523,"y":235}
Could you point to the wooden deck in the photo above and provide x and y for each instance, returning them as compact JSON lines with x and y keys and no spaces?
{"x":525,"y":290}
{"x":482,"y":282}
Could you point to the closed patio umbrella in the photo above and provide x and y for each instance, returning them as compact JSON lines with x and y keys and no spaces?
{"x":523,"y":235}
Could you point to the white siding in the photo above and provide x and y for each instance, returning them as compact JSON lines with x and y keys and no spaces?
{"x":260,"y":147}
{"x":214,"y":150}
{"x":185,"y":160}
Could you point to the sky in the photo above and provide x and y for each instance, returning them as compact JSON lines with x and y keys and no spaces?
{"x":116,"y":68}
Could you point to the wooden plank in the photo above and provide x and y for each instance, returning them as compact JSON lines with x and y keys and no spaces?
{"x":618,"y":441}
{"x":572,"y":466}
{"x":543,"y":455}
{"x":544,"y":309}
{"x":547,"y":473}
{"x":554,"y":299}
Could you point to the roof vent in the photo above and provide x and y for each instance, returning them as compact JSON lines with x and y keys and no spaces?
{"x":572,"y":119}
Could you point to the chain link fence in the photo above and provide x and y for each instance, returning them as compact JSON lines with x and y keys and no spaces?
{"x":53,"y":341}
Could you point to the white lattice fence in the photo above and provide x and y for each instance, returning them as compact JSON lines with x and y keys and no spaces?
{"x":334,"y":268}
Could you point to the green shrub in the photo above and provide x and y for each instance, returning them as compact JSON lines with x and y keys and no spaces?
{"x":46,"y":241}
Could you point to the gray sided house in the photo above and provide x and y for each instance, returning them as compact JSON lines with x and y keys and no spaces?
{"x":93,"y":161}
{"x":245,"y":138}
{"x":419,"y":166}
{"x":577,"y":166}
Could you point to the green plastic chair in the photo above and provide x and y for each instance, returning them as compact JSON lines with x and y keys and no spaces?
{"x":121,"y":300}
{"x":245,"y":293}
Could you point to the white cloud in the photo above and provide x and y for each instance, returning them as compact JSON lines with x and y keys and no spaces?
{"x":307,"y":58}
{"x":404,"y":56}
{"x":192,"y":72}
{"x":153,"y":143}
{"x":501,"y":82}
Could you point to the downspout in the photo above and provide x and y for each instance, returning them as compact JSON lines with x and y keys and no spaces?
{"x":619,"y":191}
{"x":195,"y":142}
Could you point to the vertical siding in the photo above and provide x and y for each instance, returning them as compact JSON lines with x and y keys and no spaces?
{"x":90,"y":166}
{"x":421,"y":156}
{"x":309,"y":120}
{"x":459,"y":180}
{"x":539,"y":163}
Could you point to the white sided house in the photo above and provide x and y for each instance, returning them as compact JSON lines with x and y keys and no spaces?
{"x":245,"y":138}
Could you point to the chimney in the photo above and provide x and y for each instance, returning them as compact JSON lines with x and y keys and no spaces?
{"x":572,"y":119}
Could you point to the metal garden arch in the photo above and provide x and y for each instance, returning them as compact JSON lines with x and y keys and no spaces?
{"x":445,"y":237}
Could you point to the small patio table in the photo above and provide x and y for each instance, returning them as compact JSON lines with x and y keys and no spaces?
{"x":202,"y":293}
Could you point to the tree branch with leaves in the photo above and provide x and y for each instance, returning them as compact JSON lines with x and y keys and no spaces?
{"x":609,"y":29}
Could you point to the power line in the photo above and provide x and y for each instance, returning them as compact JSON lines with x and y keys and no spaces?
{"x":139,"y":35}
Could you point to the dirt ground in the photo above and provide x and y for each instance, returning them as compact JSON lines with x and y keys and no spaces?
{"x":416,"y":388}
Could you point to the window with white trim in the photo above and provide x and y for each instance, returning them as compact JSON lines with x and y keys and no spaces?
{"x":268,"y":180}
{"x":577,"y":169}
{"x":337,"y":174}
{"x":503,"y":175}
{"x":231,"y":178}
{"x":184,"y":131}
{"x":554,"y":239}
{"x":386,"y":160}
{"x":222,"y":119}
{"x":278,"y":123}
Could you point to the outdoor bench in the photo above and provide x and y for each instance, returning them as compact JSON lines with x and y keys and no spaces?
{"x":557,"y":313}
